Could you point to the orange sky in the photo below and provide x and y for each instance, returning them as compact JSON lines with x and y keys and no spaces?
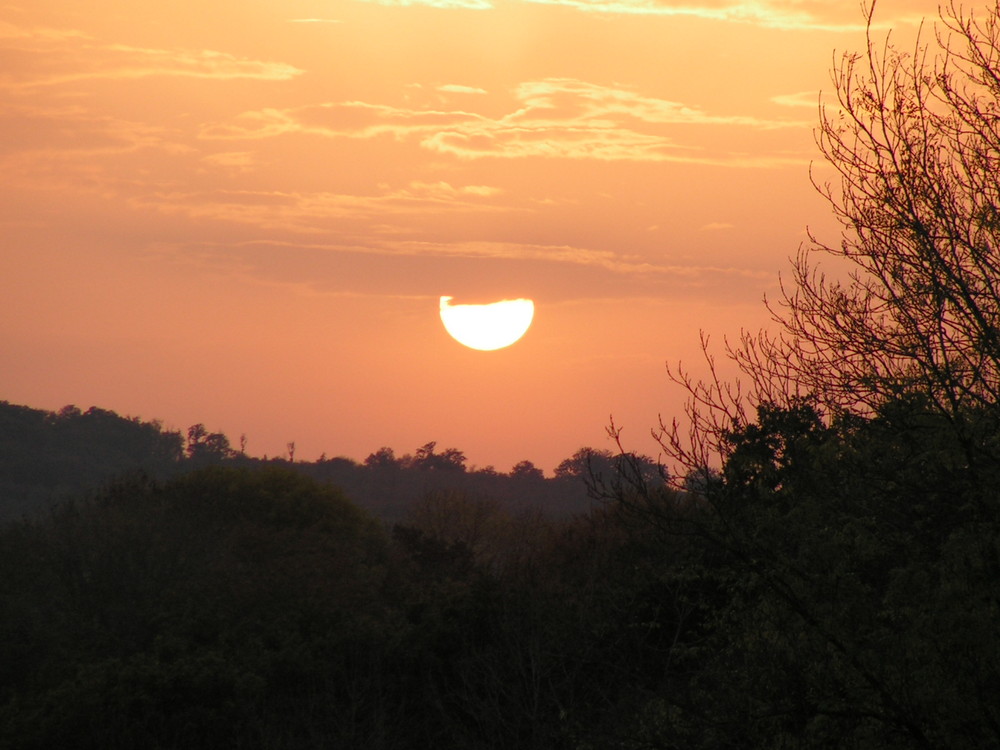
{"x":243,"y":212}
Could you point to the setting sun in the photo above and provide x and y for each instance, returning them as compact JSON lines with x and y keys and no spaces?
{"x":487,"y":327}
{"x":206,"y":203}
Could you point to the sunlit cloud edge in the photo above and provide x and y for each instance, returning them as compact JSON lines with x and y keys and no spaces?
{"x":770,"y":15}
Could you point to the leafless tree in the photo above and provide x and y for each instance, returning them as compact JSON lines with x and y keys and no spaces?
{"x":914,"y":138}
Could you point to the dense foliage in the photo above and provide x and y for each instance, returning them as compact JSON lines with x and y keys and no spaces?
{"x":258,"y":608}
{"x":858,"y":566}
{"x":837,"y":584}
{"x":855,"y":513}
{"x":47,"y":455}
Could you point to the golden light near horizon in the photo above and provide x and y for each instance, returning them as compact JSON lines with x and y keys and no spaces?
{"x":310,"y":172}
{"x":487,"y":327}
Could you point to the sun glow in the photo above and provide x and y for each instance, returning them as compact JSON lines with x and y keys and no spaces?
{"x":487,"y":327}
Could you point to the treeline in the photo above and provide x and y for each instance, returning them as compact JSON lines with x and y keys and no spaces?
{"x":835,"y":584}
{"x":48,"y":457}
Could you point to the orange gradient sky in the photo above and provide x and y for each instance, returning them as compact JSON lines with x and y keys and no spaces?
{"x":244,"y":212}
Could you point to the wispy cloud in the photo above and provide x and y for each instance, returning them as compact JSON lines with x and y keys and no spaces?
{"x":467,"y":4}
{"x":239,"y":160}
{"x":317,"y":212}
{"x":788,"y":15}
{"x":452,"y":88}
{"x":577,"y":99}
{"x":564,"y":254}
{"x":121,"y":62}
{"x":551,"y":118}
{"x":12,"y":31}
{"x":46,"y":140}
{"x":821,"y":15}
{"x":53,"y":57}
{"x":808,"y":99}
{"x":242,"y":257}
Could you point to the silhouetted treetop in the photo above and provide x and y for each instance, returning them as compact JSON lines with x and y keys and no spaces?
{"x":584,"y":462}
{"x":206,"y":447}
{"x":425,"y":459}
{"x":606,"y":467}
{"x":383,"y":458}
{"x":526,"y":470}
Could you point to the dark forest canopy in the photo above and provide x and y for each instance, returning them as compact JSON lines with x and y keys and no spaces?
{"x":48,"y":455}
{"x":835,"y":585}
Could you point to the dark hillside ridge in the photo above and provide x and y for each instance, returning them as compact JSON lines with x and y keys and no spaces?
{"x":48,"y":457}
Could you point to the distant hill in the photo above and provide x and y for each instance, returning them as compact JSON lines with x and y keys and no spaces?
{"x":47,"y":457}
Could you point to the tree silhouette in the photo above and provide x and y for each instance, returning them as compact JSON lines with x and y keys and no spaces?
{"x":844,"y":539}
{"x":914,"y":139}
{"x":207,"y":447}
{"x":585,"y":462}
{"x":425,"y":459}
{"x":383,"y":458}
{"x":526,"y":470}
